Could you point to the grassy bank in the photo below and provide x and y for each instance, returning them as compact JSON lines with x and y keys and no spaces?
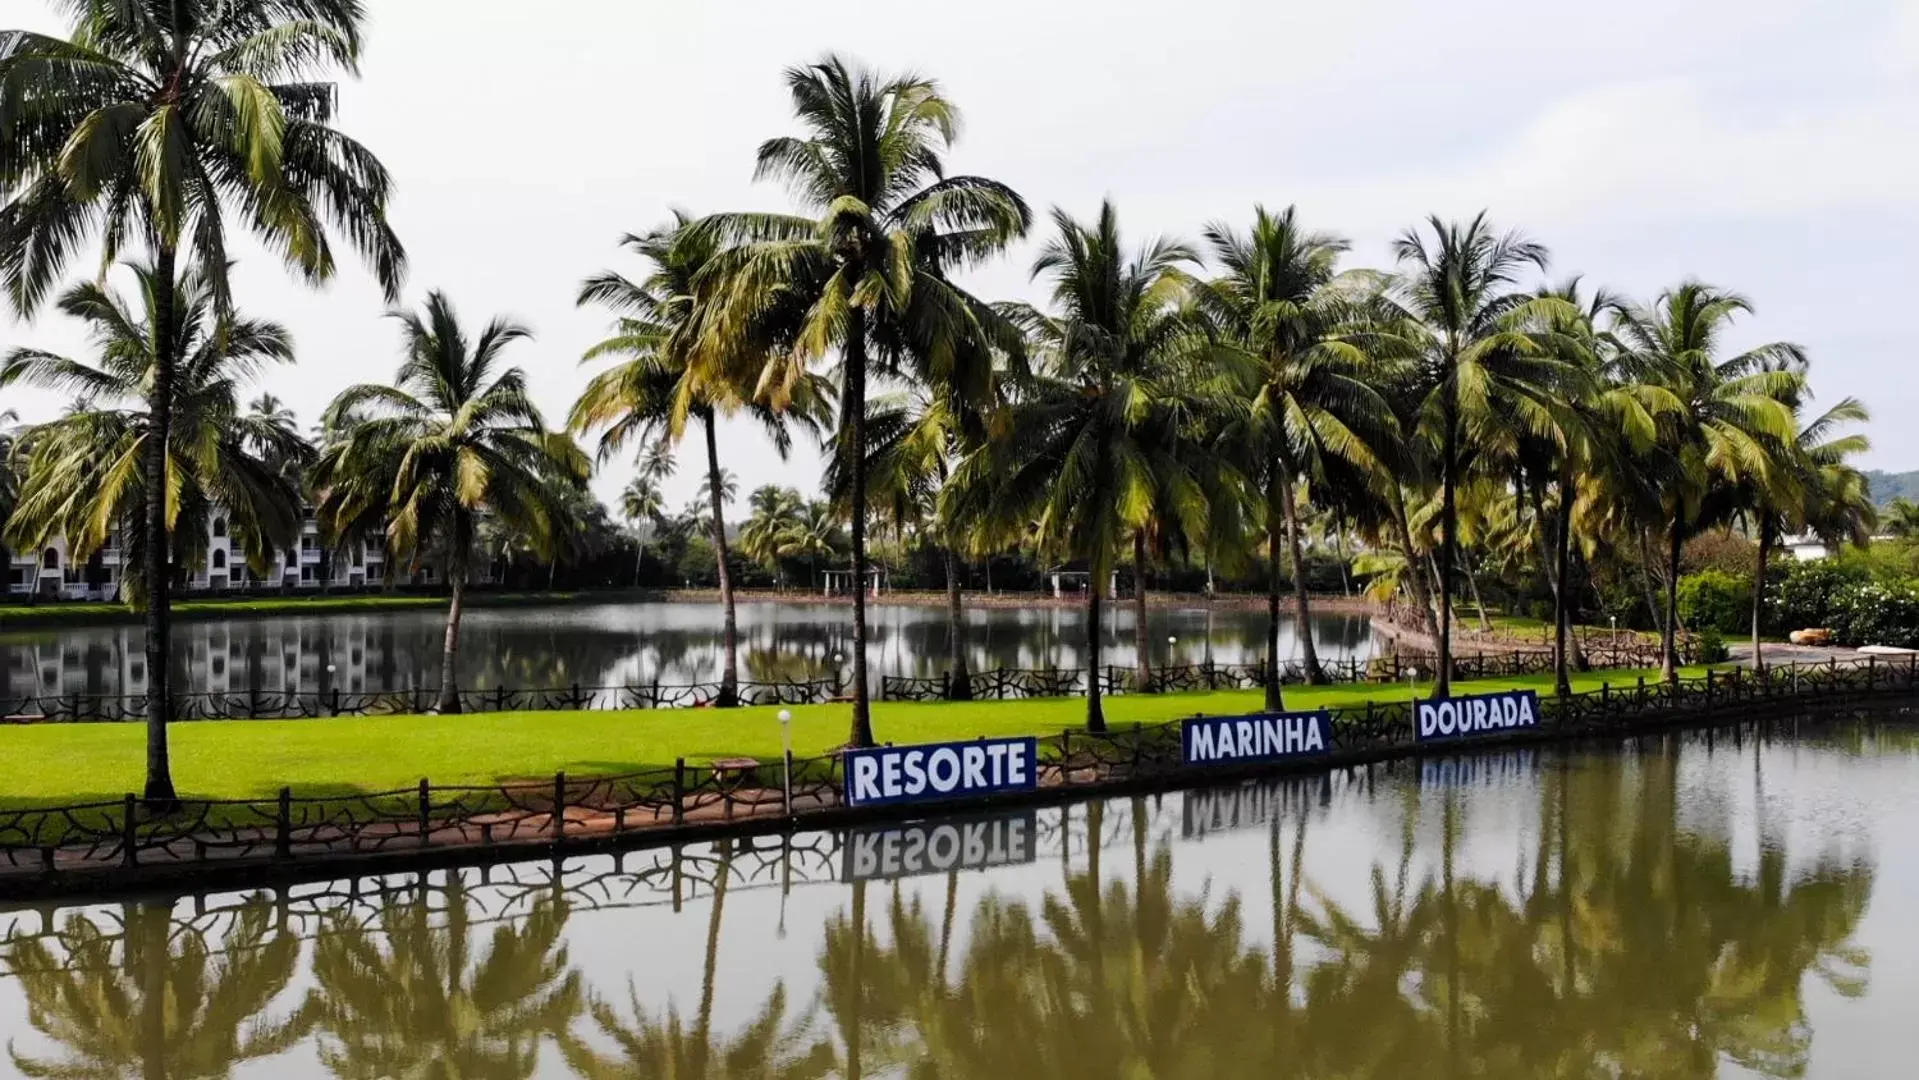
{"x":69,"y":613}
{"x":71,"y":763}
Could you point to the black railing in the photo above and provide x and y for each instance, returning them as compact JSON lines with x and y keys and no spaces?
{"x":120,"y":836}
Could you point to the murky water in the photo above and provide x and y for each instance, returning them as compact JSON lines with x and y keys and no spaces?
{"x":1675,"y":908}
{"x":623,"y":644}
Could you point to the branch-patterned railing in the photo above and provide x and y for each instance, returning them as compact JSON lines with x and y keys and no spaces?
{"x":121,"y":836}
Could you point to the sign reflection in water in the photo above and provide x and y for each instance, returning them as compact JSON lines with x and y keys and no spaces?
{"x":1666,"y":909}
{"x":613,"y":645}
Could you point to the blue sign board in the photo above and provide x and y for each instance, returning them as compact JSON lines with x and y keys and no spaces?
{"x":940,"y":847}
{"x":1479,"y":714}
{"x":908,"y":774}
{"x":1239,"y":740}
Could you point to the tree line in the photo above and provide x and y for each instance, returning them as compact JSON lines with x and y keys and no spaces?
{"x":1172,"y":400}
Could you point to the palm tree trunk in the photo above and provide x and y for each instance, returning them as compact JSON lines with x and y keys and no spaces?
{"x":1449,"y":526}
{"x":639,"y":561}
{"x":450,"y":651}
{"x":1302,"y":609}
{"x":160,"y":794}
{"x":1479,"y":603}
{"x":1562,"y":605}
{"x":1095,"y":715}
{"x":960,"y":681}
{"x":1275,"y":694}
{"x":703,"y":1022}
{"x":853,"y":447}
{"x":1669,"y":652}
{"x":730,"y":635}
{"x":1142,"y":641}
{"x":1759,"y":596}
{"x":1415,"y":573}
{"x":1645,"y":576}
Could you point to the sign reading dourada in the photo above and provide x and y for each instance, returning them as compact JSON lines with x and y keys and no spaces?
{"x":1479,"y":714}
{"x":906,"y":774}
{"x":1236,"y":740}
{"x":939,"y":847}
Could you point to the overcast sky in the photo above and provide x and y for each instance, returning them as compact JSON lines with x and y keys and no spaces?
{"x":1770,"y":146}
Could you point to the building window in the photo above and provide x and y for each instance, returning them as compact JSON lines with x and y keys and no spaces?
{"x":219,"y":526}
{"x":308,"y":543}
{"x":219,"y":559}
{"x":50,"y":560}
{"x":306,"y":573}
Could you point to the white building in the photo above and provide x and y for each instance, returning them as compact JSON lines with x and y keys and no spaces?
{"x":52,"y":573}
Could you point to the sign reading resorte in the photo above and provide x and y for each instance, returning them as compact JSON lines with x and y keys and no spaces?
{"x":1220,"y":740}
{"x":905,"y":774}
{"x":1480,"y":714}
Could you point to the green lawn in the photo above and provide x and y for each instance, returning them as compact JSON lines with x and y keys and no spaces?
{"x":69,"y":763}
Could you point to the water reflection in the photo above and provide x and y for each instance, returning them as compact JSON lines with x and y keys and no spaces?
{"x":620,"y":644}
{"x":1668,"y":910}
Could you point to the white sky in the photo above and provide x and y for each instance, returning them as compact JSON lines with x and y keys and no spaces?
{"x":1764,"y":145}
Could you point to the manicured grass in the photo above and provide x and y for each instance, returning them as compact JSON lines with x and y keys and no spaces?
{"x":71,"y":763}
{"x":70,"y":613}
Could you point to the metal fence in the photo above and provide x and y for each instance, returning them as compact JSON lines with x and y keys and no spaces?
{"x":120,"y":835}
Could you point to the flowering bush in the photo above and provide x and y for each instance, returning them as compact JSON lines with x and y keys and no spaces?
{"x":1877,"y":613}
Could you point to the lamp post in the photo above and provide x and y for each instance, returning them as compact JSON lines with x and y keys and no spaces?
{"x":786,"y":763}
{"x":839,"y":674}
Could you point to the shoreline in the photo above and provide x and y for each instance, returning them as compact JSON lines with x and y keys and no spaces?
{"x":563,"y":816}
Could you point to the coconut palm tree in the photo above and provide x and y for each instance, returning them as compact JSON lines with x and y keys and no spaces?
{"x":83,"y":477}
{"x":1814,"y":490}
{"x":1475,"y":362}
{"x":453,"y":441}
{"x":661,"y":381}
{"x":643,"y":505}
{"x":1094,"y":440}
{"x":1302,"y":329}
{"x":870,"y":268}
{"x":1732,"y":423}
{"x":153,"y":125}
{"x":769,"y":533}
{"x":819,"y":537}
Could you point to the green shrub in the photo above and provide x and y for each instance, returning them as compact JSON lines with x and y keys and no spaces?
{"x":1877,"y":613}
{"x":1804,"y":597}
{"x":1712,"y":647}
{"x":1715,"y":600}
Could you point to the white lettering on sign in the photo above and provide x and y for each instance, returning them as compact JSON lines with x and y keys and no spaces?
{"x":1480,"y":714}
{"x":910,"y":773}
{"x":1213,"y":739}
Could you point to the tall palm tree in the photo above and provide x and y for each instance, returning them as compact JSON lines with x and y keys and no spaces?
{"x":1812,"y":489}
{"x":453,"y":440}
{"x":1092,"y":443}
{"x":819,"y":537}
{"x":1303,"y":327}
{"x":1732,"y":422}
{"x":870,"y":269}
{"x":1475,"y":362}
{"x":83,"y":477}
{"x":662,"y":380}
{"x":643,"y":505}
{"x":149,"y":126}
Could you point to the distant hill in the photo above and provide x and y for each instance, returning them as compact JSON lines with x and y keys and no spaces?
{"x":1889,"y":486}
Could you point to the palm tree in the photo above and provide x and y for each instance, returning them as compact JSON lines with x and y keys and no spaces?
{"x":453,"y":441}
{"x":768,"y":535}
{"x":870,"y":271}
{"x":818,"y":537}
{"x":1302,"y":328}
{"x":83,"y":477}
{"x":235,"y":93}
{"x":1092,"y":444}
{"x":1812,"y":489}
{"x":643,"y":505}
{"x":662,"y":379}
{"x":9,"y":475}
{"x":1731,"y":423}
{"x":1475,"y":363}
{"x":1902,"y":518}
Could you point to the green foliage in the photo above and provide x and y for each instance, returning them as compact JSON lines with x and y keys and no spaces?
{"x":1806,"y":595}
{"x":1716,"y":600}
{"x":1711,"y":645}
{"x":1877,"y":613}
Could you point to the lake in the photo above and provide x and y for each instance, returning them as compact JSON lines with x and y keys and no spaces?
{"x":1678,"y":906}
{"x":621,"y":644}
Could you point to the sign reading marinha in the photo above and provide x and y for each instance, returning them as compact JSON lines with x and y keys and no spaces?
{"x":906,"y":774}
{"x":1480,"y":714}
{"x":1221,"y":740}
